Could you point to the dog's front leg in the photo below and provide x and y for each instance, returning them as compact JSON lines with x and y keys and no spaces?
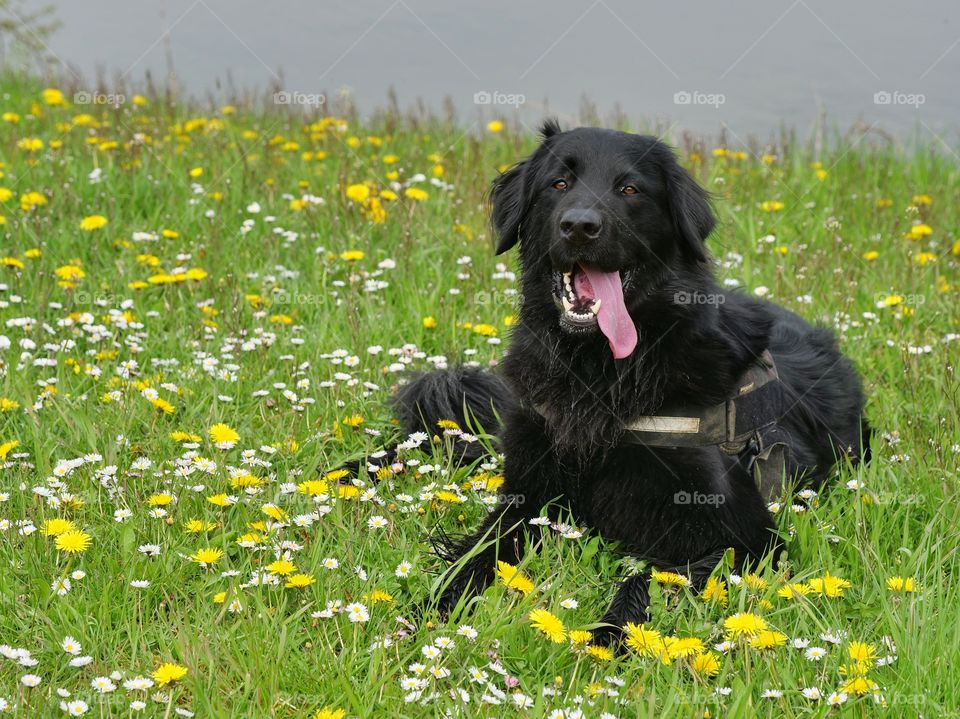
{"x":530,"y":475}
{"x":474,"y":558}
{"x":631,"y":602}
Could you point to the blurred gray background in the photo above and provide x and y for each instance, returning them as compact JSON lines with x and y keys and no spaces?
{"x":751,"y":67}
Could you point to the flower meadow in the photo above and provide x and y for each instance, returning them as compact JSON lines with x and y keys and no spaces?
{"x":203,"y":312}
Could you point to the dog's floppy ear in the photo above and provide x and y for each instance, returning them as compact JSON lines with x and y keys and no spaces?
{"x":509,"y":205}
{"x":692,"y":214}
{"x":510,"y":194}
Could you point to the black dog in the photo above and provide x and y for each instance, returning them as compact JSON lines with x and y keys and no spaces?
{"x":639,"y":393}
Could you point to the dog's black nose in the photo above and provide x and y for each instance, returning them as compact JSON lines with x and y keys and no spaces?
{"x":580,"y":225}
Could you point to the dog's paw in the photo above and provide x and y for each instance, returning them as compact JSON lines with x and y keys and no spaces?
{"x":611,"y":637}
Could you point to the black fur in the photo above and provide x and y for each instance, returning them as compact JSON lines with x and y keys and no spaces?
{"x":690,"y":353}
{"x":474,"y":399}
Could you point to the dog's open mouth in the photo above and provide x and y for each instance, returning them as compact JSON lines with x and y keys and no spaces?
{"x":591,"y":299}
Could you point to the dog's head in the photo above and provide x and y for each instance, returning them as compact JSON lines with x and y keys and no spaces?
{"x":599,"y":214}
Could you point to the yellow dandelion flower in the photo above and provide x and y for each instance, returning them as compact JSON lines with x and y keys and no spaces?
{"x":196,"y":526}
{"x":871,"y":255}
{"x":706,"y":664}
{"x":30,"y":144}
{"x":829,"y":586}
{"x":899,"y":584}
{"x":378,"y":596}
{"x":771,"y":206}
{"x":347,"y":491}
{"x":429,"y":323}
{"x":243,"y":481}
{"x":352,"y":255}
{"x":679,"y":647}
{"x":485,"y":330}
{"x":159,"y":500}
{"x":330,"y":713}
{"x":207,"y":556}
{"x":794,"y":590}
{"x":743,"y":624}
{"x":163,"y":405}
{"x":358,"y":193}
{"x":8,"y":447}
{"x":579,"y":636}
{"x":223,"y":436}
{"x":93,"y":222}
{"x":715,"y":591}
{"x":73,"y":541}
{"x":495,"y":126}
{"x":549,"y":625}
{"x":53,"y":97}
{"x":755,"y":582}
{"x":768,"y":639}
{"x":670,"y":579}
{"x":220,"y":500}
{"x":32,"y":200}
{"x":919,"y":231}
{"x":70,"y":273}
{"x":859,"y":685}
{"x":646,"y":642}
{"x":512,"y":578}
{"x":599,"y":654}
{"x":274,"y":512}
{"x":862,"y":653}
{"x":299,"y":581}
{"x":313,"y":487}
{"x":57,"y":526}
{"x":281,"y":567}
{"x":167,"y":673}
{"x":416,"y":194}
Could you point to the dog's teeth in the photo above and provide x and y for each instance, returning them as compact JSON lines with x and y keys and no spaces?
{"x":567,"y":305}
{"x":595,"y":307}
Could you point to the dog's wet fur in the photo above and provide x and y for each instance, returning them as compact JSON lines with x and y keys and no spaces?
{"x":621,"y":202}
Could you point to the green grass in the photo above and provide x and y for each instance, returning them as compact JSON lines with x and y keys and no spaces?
{"x":271,"y":314}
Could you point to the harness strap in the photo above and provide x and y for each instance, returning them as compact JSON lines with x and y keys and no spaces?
{"x":728,"y":425}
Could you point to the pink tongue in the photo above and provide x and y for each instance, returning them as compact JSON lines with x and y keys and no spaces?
{"x":614,"y":321}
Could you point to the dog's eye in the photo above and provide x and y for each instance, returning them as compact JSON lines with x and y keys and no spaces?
{"x":559,"y":185}
{"x":629,"y":190}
